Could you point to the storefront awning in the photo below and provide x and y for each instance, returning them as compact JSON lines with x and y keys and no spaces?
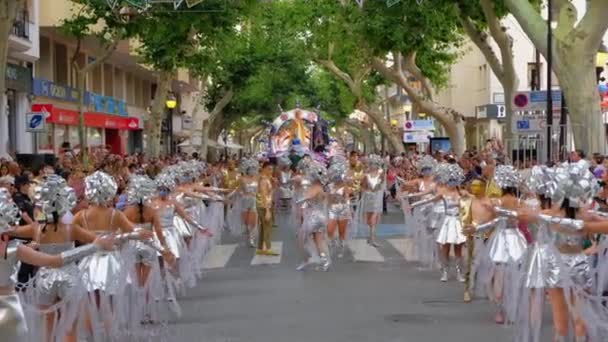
{"x":91,"y":119}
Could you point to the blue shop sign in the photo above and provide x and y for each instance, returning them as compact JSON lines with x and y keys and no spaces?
{"x":49,"y":89}
{"x":106,"y":104}
{"x":99,"y":103}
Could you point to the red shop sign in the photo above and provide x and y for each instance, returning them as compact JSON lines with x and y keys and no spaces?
{"x":70,"y":117}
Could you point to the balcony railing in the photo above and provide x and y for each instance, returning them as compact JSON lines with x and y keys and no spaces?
{"x":21,"y":26}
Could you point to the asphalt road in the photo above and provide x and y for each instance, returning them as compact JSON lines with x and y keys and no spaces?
{"x":386,"y":300}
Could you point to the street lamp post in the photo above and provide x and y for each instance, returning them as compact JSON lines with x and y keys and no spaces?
{"x":171,"y":103}
{"x":549,"y":79}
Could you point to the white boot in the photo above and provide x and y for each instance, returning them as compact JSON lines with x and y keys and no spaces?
{"x":444,"y":274}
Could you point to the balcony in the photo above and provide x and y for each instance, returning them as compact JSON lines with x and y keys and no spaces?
{"x":19,"y":39}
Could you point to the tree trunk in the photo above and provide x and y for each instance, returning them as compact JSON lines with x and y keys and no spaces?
{"x":396,"y":145}
{"x":579,"y":84}
{"x":158,"y":112}
{"x":213,"y":115}
{"x":82,"y":134}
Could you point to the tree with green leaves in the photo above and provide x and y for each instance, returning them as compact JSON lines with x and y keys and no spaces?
{"x":172,"y":39}
{"x":253,"y":70}
{"x":481,"y":21}
{"x":574,"y":48}
{"x":414,"y":44}
{"x":334,"y":33}
{"x":118,"y":23}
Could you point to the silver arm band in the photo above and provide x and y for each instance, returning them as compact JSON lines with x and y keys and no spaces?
{"x":599,"y":213}
{"x":425,"y":201}
{"x":488,"y":225}
{"x":505,"y":212}
{"x":134,"y":235}
{"x":569,"y":224}
{"x":78,"y":253}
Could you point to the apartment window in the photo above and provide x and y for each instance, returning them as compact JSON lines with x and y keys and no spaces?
{"x":21,"y":25}
{"x":146,"y":93}
{"x":533,"y":76}
{"x":44,"y":64}
{"x":97,"y":79}
{"x":108,"y":80}
{"x":139,"y":101}
{"x":130,"y":89}
{"x":61,"y":64}
{"x":119,"y":84}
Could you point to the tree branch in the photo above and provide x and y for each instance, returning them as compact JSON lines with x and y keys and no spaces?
{"x":409,"y":64}
{"x":531,"y":22}
{"x":222,"y":103}
{"x":330,"y":66}
{"x":593,"y":25}
{"x":480,"y":39}
{"x":103,"y":57}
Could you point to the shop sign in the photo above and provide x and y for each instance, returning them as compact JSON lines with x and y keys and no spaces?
{"x":70,"y":117}
{"x":98,"y":103}
{"x":106,"y":104}
{"x":50,"y":89}
{"x":18,"y":78}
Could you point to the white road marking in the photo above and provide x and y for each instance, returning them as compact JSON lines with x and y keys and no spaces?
{"x":362,"y":251}
{"x":405,"y":247}
{"x":277,"y":247}
{"x":218,"y":256}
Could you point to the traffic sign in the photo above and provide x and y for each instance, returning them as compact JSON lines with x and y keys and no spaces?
{"x":536,"y":100}
{"x":528,"y":124}
{"x":35,"y":122}
{"x":419,"y":125}
{"x":417,"y":137}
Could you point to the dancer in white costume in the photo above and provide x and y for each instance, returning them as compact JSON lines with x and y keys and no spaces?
{"x":423,"y":218}
{"x":107,"y":272}
{"x":450,"y":233}
{"x":339,"y":206}
{"x":244,"y":217}
{"x":373,"y":187}
{"x":13,"y":327}
{"x":312,"y":233}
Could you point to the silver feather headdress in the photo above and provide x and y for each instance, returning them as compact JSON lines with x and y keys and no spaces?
{"x":426,"y":165}
{"x":249,"y":166}
{"x":572,"y":181}
{"x":316,"y":172}
{"x":100,"y":188}
{"x":506,"y":176}
{"x":9,"y":212}
{"x":338,"y":170}
{"x":53,"y":195}
{"x":375,"y":161}
{"x":166,"y":180}
{"x":284,"y":161}
{"x":449,"y":174}
{"x":140,"y":189}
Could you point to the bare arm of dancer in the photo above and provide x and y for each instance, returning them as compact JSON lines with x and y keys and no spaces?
{"x":24,"y":232}
{"x":80,"y":234}
{"x":33,"y":257}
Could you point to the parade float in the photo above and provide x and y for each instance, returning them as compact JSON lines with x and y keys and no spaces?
{"x":297,"y":130}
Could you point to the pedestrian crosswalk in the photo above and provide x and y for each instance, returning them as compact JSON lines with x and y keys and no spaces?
{"x":358,"y":250}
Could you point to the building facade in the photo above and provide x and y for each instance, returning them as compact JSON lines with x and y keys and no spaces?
{"x":15,"y":103}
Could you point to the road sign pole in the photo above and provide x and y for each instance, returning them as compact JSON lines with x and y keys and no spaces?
{"x":549,"y":79}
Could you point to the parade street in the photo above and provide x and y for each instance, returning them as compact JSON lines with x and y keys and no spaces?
{"x":385,"y":300}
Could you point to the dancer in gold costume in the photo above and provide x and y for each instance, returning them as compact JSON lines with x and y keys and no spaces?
{"x":264,"y":208}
